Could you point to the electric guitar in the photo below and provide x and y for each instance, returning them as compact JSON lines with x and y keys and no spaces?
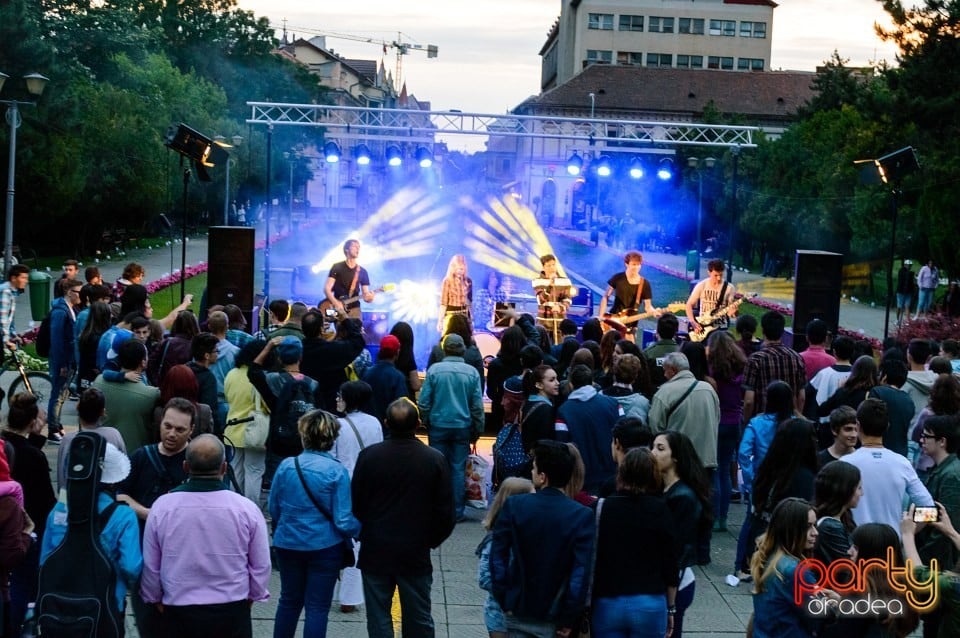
{"x":710,"y":321}
{"x":330,"y":312}
{"x":621,"y":320}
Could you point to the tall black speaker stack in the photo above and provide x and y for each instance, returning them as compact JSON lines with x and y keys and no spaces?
{"x":817,"y":280}
{"x":230,"y":252}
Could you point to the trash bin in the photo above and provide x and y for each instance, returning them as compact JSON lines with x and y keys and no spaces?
{"x":692,"y":258}
{"x":39,"y":284}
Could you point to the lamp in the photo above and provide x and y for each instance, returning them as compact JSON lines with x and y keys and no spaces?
{"x":694,"y":163}
{"x":636,"y":168}
{"x":331,"y":152}
{"x":35,"y":85}
{"x":574,"y":164}
{"x":394,"y":156}
{"x":665,"y":171}
{"x":424,"y":157}
{"x":603,"y":167}
{"x":361,"y":154}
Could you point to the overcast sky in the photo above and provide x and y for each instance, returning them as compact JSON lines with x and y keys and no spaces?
{"x":488,"y":60}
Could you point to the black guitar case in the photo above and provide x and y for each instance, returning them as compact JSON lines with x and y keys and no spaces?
{"x":77,"y":582}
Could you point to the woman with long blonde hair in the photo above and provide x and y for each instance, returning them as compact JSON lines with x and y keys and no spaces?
{"x":456,"y":292}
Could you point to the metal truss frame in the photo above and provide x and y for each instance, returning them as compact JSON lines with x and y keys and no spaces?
{"x":404,"y":125}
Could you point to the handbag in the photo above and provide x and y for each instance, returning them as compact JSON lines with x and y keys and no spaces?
{"x":255,"y":432}
{"x":347,"y":558}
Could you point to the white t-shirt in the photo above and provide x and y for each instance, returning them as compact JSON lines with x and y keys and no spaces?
{"x":890,"y":484}
{"x":827,"y":382}
{"x":347,"y":448}
{"x":709,"y":297}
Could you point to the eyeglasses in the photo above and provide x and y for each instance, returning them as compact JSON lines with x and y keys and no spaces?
{"x":928,"y":436}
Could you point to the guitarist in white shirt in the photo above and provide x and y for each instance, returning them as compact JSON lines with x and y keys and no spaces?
{"x":348,"y":279}
{"x":707,"y":293}
{"x":629,"y":290}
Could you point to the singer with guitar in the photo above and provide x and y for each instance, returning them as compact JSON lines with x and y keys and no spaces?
{"x":629,"y":290}
{"x":711,"y":293}
{"x":346,"y":278}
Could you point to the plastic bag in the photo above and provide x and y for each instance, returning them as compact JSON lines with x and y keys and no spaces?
{"x":475,"y":478}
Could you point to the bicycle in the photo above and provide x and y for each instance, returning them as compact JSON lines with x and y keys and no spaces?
{"x":39,"y":384}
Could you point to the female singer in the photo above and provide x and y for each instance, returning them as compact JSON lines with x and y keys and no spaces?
{"x":456,"y":294}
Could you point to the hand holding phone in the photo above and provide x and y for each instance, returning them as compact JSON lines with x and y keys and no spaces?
{"x":926,"y":515}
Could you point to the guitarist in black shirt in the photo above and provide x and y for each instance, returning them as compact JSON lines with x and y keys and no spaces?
{"x":348,"y":281}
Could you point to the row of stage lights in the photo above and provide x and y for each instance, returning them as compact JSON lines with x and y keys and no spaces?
{"x":605,"y":169}
{"x":362,"y":155}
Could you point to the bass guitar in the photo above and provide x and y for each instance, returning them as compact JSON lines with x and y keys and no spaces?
{"x":710,"y":321}
{"x":330,"y":312}
{"x":622,"y":320}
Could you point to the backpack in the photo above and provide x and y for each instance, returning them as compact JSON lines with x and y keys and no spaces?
{"x":509,"y":457}
{"x":42,"y":341}
{"x":295,"y":400}
{"x":68,"y":606}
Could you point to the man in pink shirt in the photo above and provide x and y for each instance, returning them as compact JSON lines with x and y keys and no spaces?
{"x":816,"y":357}
{"x":206,"y":551}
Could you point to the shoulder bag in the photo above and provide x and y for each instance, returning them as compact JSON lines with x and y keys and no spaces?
{"x":347,"y":558}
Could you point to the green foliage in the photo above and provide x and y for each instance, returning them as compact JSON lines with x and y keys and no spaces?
{"x":122,"y":72}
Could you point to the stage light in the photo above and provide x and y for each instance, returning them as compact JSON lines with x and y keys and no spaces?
{"x":603,"y":168}
{"x":424,"y":157}
{"x":636,"y":169}
{"x":331,"y":151}
{"x":362,"y":154}
{"x":394,"y":156}
{"x":665,"y":172}
{"x":574,"y":164}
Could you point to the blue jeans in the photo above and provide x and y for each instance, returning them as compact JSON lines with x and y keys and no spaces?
{"x":307,"y":579}
{"x":416,"y":619}
{"x":640,"y":616}
{"x":742,"y":561}
{"x":684,"y":600}
{"x":454,"y":444}
{"x":727,"y":438}
{"x":925,"y":299}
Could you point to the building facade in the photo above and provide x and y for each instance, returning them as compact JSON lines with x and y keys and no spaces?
{"x":730,"y":35}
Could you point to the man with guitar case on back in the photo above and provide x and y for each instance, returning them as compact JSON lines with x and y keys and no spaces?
{"x":91,"y":547}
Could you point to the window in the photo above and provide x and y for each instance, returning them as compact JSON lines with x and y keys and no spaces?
{"x":750,"y":64}
{"x":691,"y":25}
{"x":629,"y":57}
{"x":631,"y":23}
{"x":689,"y":61}
{"x":717,"y":62}
{"x":726,"y":28}
{"x":601,"y":21}
{"x":595,"y":56}
{"x":753,"y":29}
{"x":659,"y":59}
{"x":661,"y":25}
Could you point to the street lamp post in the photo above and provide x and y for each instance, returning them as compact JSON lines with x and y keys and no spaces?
{"x":35,"y":85}
{"x":237,"y":140}
{"x":292,"y":159}
{"x":735,"y":151}
{"x":694,"y":163}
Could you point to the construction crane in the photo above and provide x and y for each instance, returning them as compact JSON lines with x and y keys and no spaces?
{"x":401,"y":47}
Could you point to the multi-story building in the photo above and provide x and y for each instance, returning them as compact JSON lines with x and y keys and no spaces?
{"x":732,"y":35}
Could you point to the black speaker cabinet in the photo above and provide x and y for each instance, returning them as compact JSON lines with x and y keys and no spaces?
{"x":816,"y":294}
{"x":230,"y":251}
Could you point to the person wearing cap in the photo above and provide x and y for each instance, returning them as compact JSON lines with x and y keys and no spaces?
{"x":120,"y":537}
{"x":387,"y":382}
{"x":289,"y":351}
{"x":904,"y":289}
{"x":451,"y":408}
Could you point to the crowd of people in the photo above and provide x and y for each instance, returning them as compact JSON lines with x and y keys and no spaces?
{"x":293,"y":449}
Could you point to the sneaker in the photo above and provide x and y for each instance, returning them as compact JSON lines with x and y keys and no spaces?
{"x":348,"y":609}
{"x":55,"y":438}
{"x":744,"y":577}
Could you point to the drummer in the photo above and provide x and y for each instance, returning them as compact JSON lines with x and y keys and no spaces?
{"x":553,"y":294}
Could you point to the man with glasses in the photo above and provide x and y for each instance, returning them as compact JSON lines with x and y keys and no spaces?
{"x":62,"y":360}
